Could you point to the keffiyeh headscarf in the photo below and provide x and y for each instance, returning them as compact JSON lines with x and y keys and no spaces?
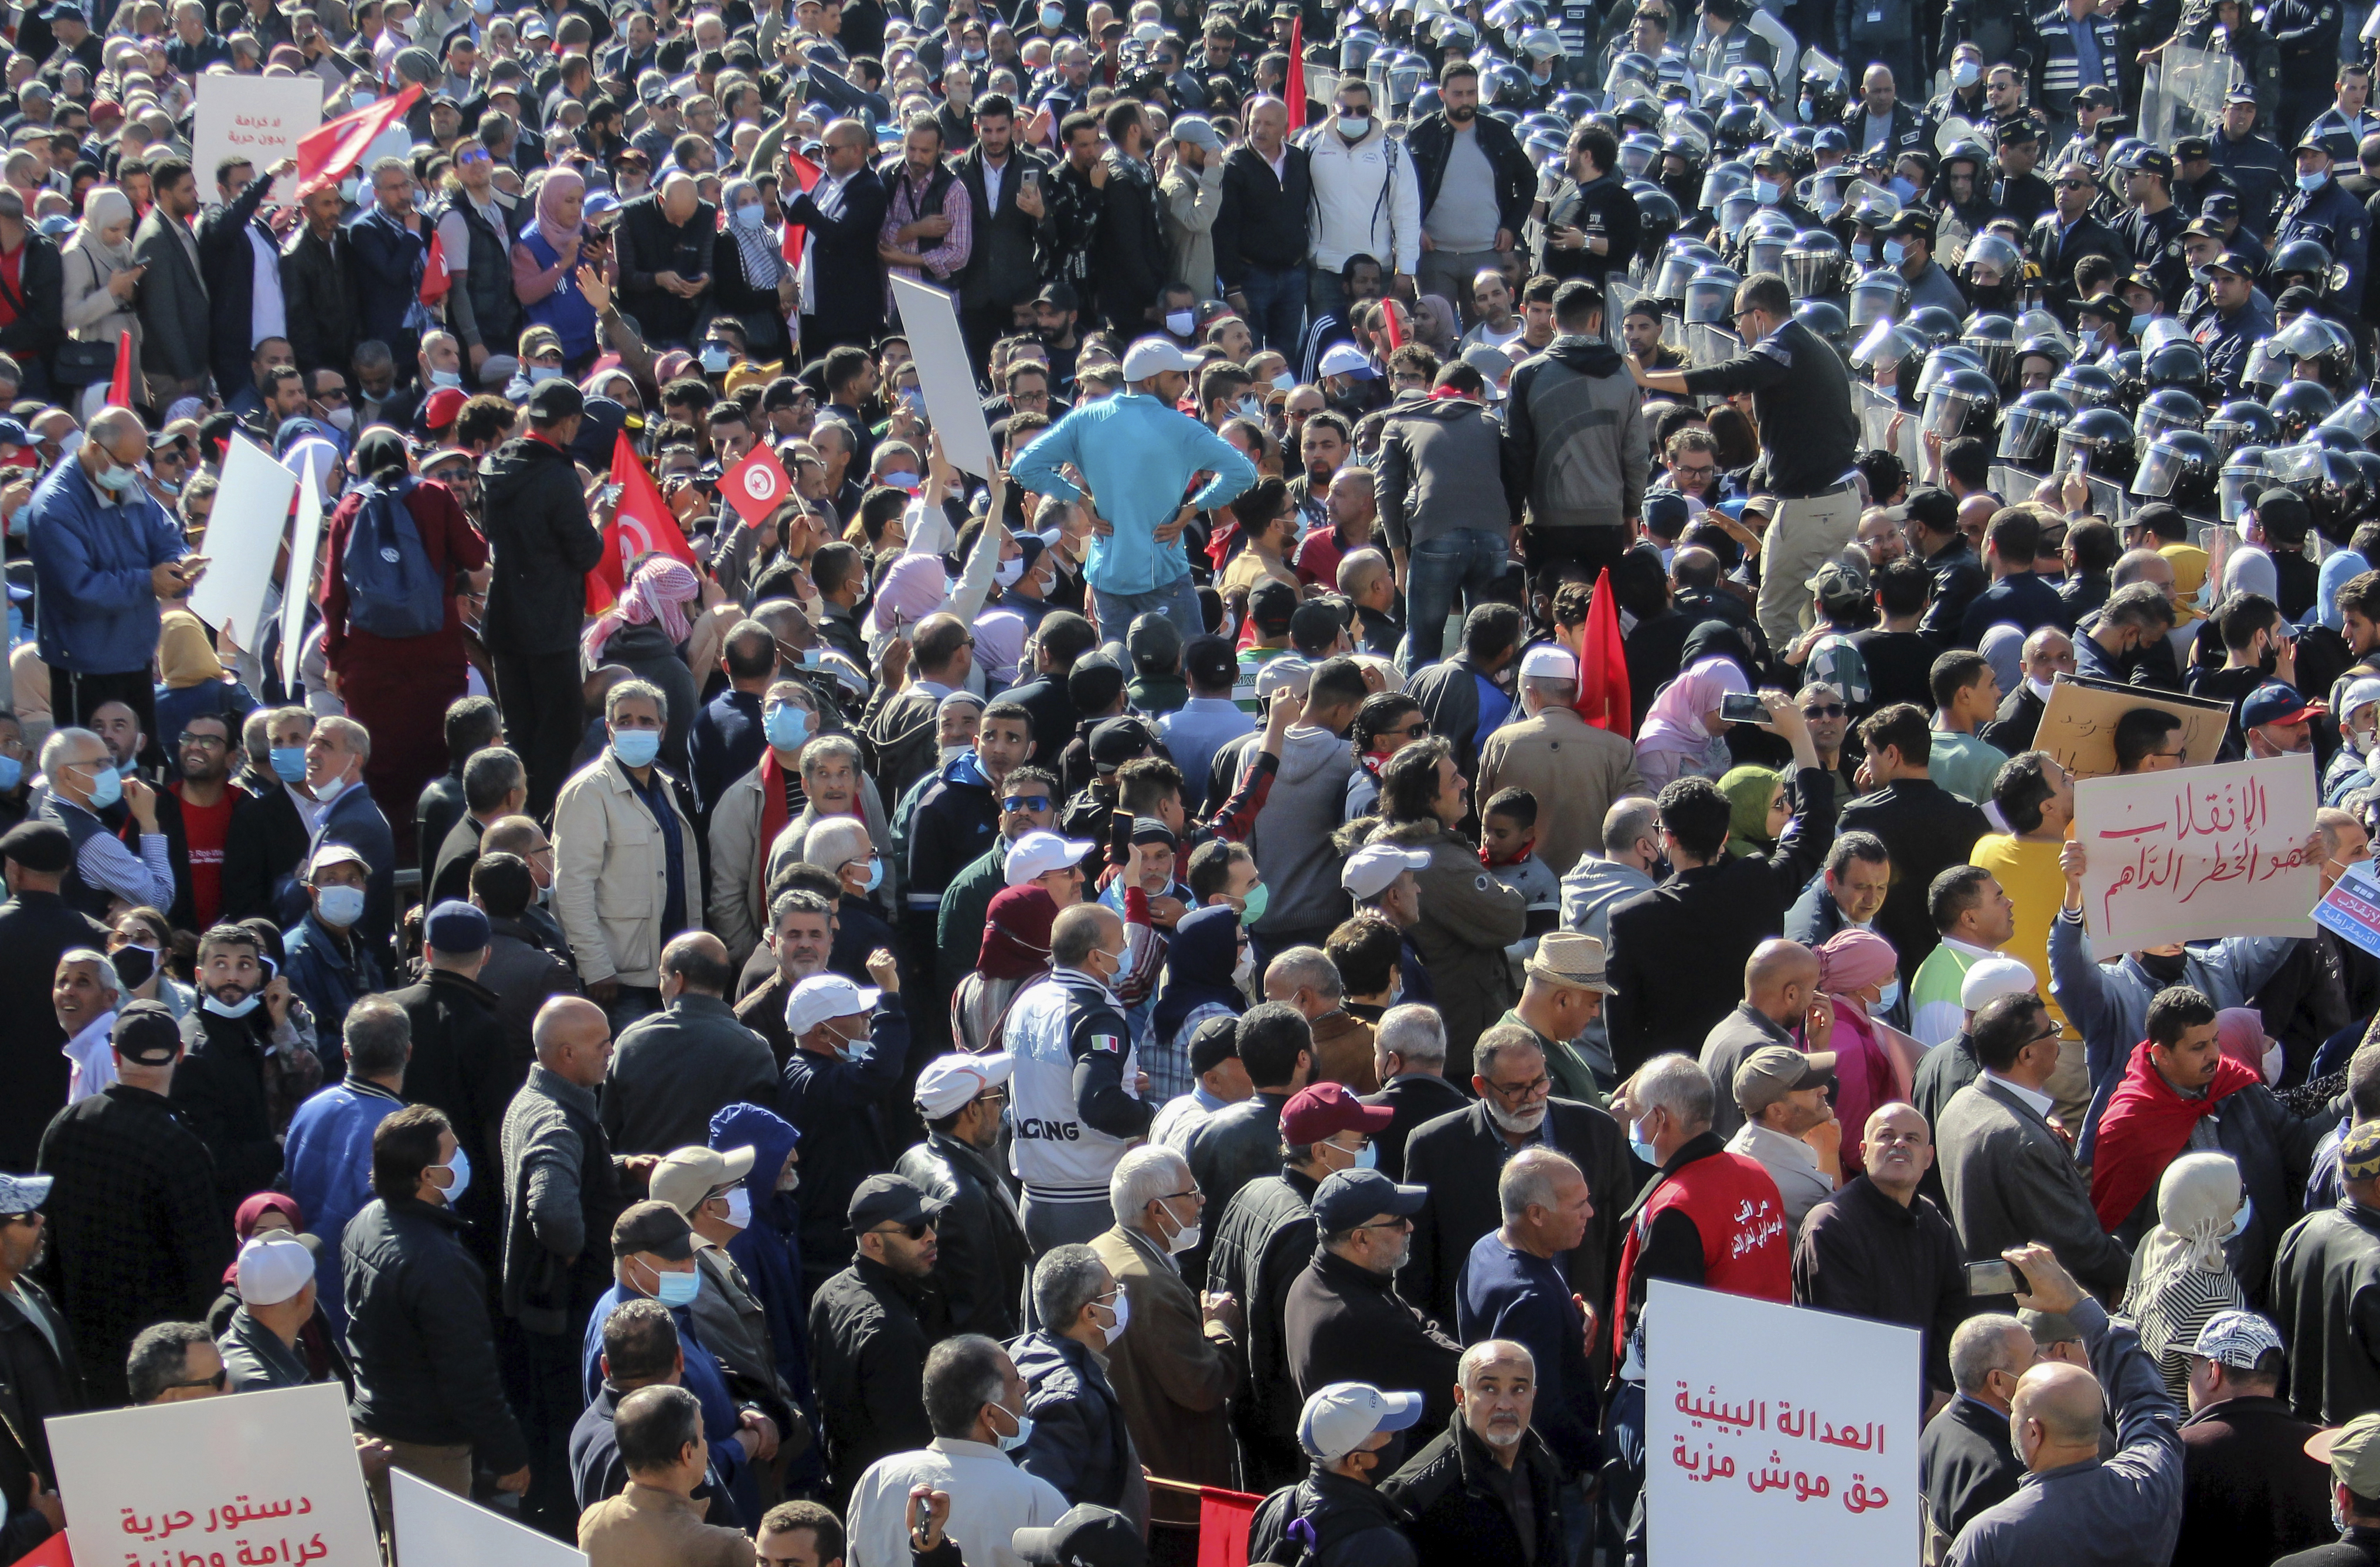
{"x":657,"y":595}
{"x":758,"y":249}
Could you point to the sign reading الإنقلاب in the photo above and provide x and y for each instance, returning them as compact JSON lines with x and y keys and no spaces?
{"x":2197,"y":852}
{"x":259,"y":1479}
{"x":1744,"y":1444}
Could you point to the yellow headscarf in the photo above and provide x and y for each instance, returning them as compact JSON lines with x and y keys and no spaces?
{"x":185,"y":654}
{"x":2189,"y":575}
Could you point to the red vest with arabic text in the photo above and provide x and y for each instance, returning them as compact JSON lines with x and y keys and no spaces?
{"x":1733,"y":1202}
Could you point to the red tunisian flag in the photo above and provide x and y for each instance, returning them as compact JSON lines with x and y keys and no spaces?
{"x":756,"y":486}
{"x":806,"y":173}
{"x":51,"y":1552}
{"x":1294,"y":85}
{"x":119,"y":387}
{"x":435,"y":279}
{"x":1603,"y":698}
{"x":325,"y":155}
{"x":641,"y":524}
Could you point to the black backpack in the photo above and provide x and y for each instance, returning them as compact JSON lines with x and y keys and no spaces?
{"x":393,"y":591}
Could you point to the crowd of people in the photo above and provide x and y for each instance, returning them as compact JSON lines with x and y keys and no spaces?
{"x":936,"y":1016}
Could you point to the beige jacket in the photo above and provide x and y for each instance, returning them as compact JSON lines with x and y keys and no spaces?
{"x":644,"y":1526}
{"x":1575,"y":771}
{"x":610,"y":875}
{"x":1173,"y":1373}
{"x":1188,"y":213}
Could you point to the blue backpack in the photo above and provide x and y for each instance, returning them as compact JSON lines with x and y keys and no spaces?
{"x":393,"y":591}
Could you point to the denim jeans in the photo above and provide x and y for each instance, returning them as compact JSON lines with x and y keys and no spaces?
{"x":1468,"y":562}
{"x":1177,"y":600}
{"x":1276,"y":298}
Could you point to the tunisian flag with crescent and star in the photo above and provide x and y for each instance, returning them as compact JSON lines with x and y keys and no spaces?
{"x":642,"y":524}
{"x":328,"y":151}
{"x":805,"y":174}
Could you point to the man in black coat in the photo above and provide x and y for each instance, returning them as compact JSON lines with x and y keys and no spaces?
{"x":1462,"y":1511}
{"x":842,"y":277}
{"x":1413,"y":1082}
{"x":36,"y":928}
{"x":544,"y":546}
{"x":1343,"y":1320}
{"x":136,"y":1232}
{"x":220,"y":1087}
{"x":1129,"y":249}
{"x":666,"y":239}
{"x":870,"y":1326}
{"x":1459,"y":1158}
{"x":1011,"y":231}
{"x":1448,"y":267}
{"x":460,"y":1064}
{"x":1965,"y":1461}
{"x":40,"y":1375}
{"x":674,"y":1070}
{"x":1925,"y":829}
{"x":1261,"y":229}
{"x":984,"y":1254}
{"x":228,"y":257}
{"x":268,"y":837}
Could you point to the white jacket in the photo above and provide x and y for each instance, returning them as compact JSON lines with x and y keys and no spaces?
{"x":1367,"y":199}
{"x":990,"y":1499}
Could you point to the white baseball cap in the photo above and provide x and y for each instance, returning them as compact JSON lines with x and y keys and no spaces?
{"x":273,"y":1268}
{"x":950,"y":1081}
{"x":1042,"y":852}
{"x":1549,"y":661}
{"x":1339,"y":1418}
{"x":1993,"y":978}
{"x":1283,"y":672}
{"x":1371,"y":870}
{"x":822,"y":996}
{"x":1154,"y":355}
{"x":1345,"y":359}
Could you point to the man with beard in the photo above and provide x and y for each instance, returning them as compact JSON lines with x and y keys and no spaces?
{"x":205,"y":799}
{"x":1489,"y":1488}
{"x":800,"y":938}
{"x":1343,"y":1320}
{"x":221,"y":1088}
{"x":1477,"y":185}
{"x":984,"y":1255}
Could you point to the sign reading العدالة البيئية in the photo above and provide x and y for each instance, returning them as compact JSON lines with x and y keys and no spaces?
{"x":260,"y":1479}
{"x":1742,"y":1443}
{"x":2198,"y":851}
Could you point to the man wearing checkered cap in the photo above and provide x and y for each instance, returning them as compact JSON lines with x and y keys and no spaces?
{"x":2249,"y":1488}
{"x":2323,"y":1296}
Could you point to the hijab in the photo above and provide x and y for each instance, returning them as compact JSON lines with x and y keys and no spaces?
{"x":759,"y":248}
{"x":382,"y":457}
{"x":185,"y":656}
{"x":1198,"y":966}
{"x":1853,"y":959}
{"x":251,"y":1213}
{"x":1676,"y":722}
{"x":658,"y":595}
{"x":1016,"y":934}
{"x":2240,"y":1031}
{"x":1449,"y":326}
{"x":102,"y":205}
{"x":559,"y":186}
{"x":2199,"y":1201}
{"x":1748,"y":792}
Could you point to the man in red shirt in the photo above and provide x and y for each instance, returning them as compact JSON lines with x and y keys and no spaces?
{"x":1351,"y":509}
{"x":202,"y":755}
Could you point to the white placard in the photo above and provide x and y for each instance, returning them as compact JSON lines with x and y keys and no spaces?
{"x":305,"y":543}
{"x":437,"y":1528}
{"x":929,"y":318}
{"x":261,"y":118}
{"x":1745,"y":1444}
{"x":243,"y":539}
{"x":243,"y":1480}
{"x":2198,"y":851}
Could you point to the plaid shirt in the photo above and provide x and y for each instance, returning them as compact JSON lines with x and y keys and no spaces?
{"x":137,"y":1231}
{"x":949,"y":254}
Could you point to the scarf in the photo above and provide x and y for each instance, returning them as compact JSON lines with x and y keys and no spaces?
{"x":2198,"y":1206}
{"x":2145,"y":1123}
{"x":184,"y":655}
{"x":1852,"y":959}
{"x":1016,"y":934}
{"x":1676,"y":722}
{"x":2240,"y":1031}
{"x":760,"y":249}
{"x":101,"y":206}
{"x":1443,"y":343}
{"x":658,"y":594}
{"x":1748,"y":792}
{"x":1198,"y":964}
{"x":558,"y":186}
{"x":774,"y":814}
{"x":250,"y":1213}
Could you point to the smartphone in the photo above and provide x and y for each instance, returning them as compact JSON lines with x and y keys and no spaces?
{"x":2081,"y":465}
{"x":1995,"y":1277}
{"x":1740,"y":707}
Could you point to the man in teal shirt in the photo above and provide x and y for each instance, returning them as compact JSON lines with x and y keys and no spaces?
{"x":1139,"y":455}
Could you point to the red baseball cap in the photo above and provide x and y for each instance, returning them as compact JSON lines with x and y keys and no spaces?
{"x":444,"y":405}
{"x":1321,"y":1110}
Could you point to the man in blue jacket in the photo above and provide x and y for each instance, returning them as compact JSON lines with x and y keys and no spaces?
{"x":104,"y":553}
{"x":1138,"y":453}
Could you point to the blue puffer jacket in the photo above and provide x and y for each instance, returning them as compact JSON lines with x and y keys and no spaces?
{"x":769,"y":1248}
{"x":1079,"y":1443}
{"x":93,"y":602}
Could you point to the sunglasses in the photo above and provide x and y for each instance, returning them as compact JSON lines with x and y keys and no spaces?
{"x":1824,"y":710}
{"x":2073,"y":185}
{"x":217,"y":1381}
{"x":1026,"y":802}
{"x":916,"y":1231}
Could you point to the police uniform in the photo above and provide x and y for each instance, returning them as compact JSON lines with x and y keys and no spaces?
{"x":2225,"y":341}
{"x":1071,"y":1096}
{"x":2335,"y":220}
{"x":2155,"y":242}
{"x":2333,"y":122}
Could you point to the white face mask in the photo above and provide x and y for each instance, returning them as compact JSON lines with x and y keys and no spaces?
{"x":1184,"y":1238}
{"x":1246,"y":969}
{"x":1180,"y":322}
{"x":739,"y":1208}
{"x":341,"y":418}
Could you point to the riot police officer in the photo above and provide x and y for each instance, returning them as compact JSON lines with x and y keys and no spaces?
{"x":2322,"y":212}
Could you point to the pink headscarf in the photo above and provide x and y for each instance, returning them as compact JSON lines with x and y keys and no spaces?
{"x":1852,"y":959}
{"x":912,"y":589}
{"x":658,"y":594}
{"x":1675,"y":723}
{"x":2240,"y":1031}
{"x":558,"y":186}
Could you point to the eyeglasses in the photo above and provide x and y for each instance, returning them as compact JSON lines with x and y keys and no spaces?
{"x":1536,"y":1087}
{"x":1026,"y":802}
{"x":916,"y":1231}
{"x":1696,"y":470}
{"x":1414,"y":731}
{"x":209,"y":742}
{"x":2073,"y":185}
{"x":1824,"y":710}
{"x":217,"y":1381}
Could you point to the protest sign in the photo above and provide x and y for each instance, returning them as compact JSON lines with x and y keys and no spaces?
{"x":437,"y":1528}
{"x":261,"y":118}
{"x":2078,"y":725}
{"x":2351,"y":909}
{"x":305,"y":543}
{"x":259,"y":1479}
{"x":1744,"y":1444}
{"x":2200,"y":851}
{"x":931,"y":318}
{"x":243,"y":541}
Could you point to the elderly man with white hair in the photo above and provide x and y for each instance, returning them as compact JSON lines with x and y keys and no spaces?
{"x":1574,"y":770}
{"x":1409,"y":1058}
{"x":1487,"y":1487}
{"x":1174,"y":1373}
{"x":82,"y":783}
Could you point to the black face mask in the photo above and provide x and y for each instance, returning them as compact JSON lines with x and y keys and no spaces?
{"x":2163,"y":967}
{"x":134,"y":965}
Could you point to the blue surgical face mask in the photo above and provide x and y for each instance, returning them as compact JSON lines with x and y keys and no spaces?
{"x":675,"y":1290}
{"x":339,"y":907}
{"x":289,"y":763}
{"x":786,"y":725}
{"x":1023,"y":1431}
{"x":2311,"y":183}
{"x":1966,"y":73}
{"x":875,"y":872}
{"x":540,"y":374}
{"x":637,"y":747}
{"x":1895,"y":252}
{"x":1640,"y":1147}
{"x":458,"y":1176}
{"x":1764,"y":191}
{"x":2138,"y":325}
{"x":1053,"y":16}
{"x":902,"y":480}
{"x":1862,"y":250}
{"x":239,"y":1008}
{"x":106,"y":788}
{"x":1902,"y":187}
{"x":121,"y":479}
{"x":12,"y":773}
{"x":1891,"y":997}
{"x":443,"y":378}
{"x":715,"y":360}
{"x":1368,"y":1156}
{"x":1354,"y":126}
{"x":751,"y":214}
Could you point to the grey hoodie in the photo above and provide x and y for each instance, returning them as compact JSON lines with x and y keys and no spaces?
{"x":1440,"y":471}
{"x":1574,"y":446}
{"x":1292,"y":835}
